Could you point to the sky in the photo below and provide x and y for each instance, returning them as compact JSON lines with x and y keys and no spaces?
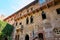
{"x":8,"y":7}
{"x":42,"y":1}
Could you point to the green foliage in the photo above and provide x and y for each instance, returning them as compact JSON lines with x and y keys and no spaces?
{"x":5,"y":29}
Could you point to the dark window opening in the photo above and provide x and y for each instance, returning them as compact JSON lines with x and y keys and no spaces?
{"x":27,"y":37}
{"x":27,"y":20}
{"x":40,"y":9}
{"x":56,"y":2}
{"x":37,"y":10}
{"x":16,"y":23}
{"x":40,"y":35}
{"x":59,"y":30}
{"x":31,"y":19}
{"x":43,"y":15}
{"x":17,"y":37}
{"x":20,"y":14}
{"x":27,"y":11}
{"x":20,"y":23}
{"x":48,"y":5}
{"x":58,"y":11}
{"x":31,"y":9}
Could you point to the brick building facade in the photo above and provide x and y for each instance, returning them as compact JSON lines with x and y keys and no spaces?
{"x":37,"y":21}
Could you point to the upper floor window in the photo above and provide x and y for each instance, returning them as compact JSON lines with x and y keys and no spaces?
{"x":16,"y":23}
{"x":27,"y":11}
{"x":43,"y":15}
{"x":20,"y":14}
{"x":31,"y":19}
{"x":42,"y":1}
{"x":21,"y":27}
{"x":20,"y":23}
{"x":58,"y":11}
{"x":11,"y":18}
{"x":27,"y":20}
{"x":31,"y":9}
{"x":37,"y":10}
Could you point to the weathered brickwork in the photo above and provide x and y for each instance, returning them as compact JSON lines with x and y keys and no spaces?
{"x":45,"y":21}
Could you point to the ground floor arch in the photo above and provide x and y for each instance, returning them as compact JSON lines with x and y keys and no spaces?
{"x":27,"y":37}
{"x":40,"y":36}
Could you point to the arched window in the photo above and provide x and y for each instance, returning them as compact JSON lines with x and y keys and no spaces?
{"x":31,"y":19}
{"x":27,"y":37}
{"x":43,"y":15}
{"x":27,"y":20}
